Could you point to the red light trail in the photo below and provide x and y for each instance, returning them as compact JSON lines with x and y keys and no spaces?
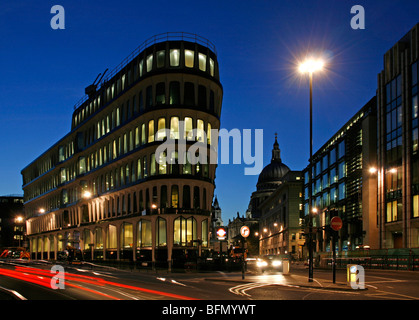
{"x":43,"y":278}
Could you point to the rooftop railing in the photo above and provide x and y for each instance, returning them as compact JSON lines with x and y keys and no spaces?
{"x":162,"y":37}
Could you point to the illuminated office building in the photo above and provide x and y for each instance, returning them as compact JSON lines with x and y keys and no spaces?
{"x":398,"y":163}
{"x":101,"y":188}
{"x":343,"y":184}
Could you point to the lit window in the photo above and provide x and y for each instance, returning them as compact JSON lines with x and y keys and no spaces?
{"x":144,"y":233}
{"x":149,"y":63}
{"x":82,"y":165}
{"x":211,"y":67}
{"x":160,"y":58}
{"x":139,"y":167}
{"x":174,"y":128}
{"x":200,"y":130}
{"x":161,"y":129}
{"x":189,"y":58}
{"x":151,"y":131}
{"x":140,"y":68}
{"x":209,"y":133}
{"x":174,"y":57}
{"x":162,"y":163}
{"x":152,"y":164}
{"x":415,"y":206}
{"x":202,"y":62}
{"x":188,"y":129}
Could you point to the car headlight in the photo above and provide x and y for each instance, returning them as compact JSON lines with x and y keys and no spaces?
{"x":276,"y":263}
{"x":261,"y":263}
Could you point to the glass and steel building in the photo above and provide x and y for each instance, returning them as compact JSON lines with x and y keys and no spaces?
{"x":344,"y":185}
{"x":398,"y":164}
{"x":104,"y":189}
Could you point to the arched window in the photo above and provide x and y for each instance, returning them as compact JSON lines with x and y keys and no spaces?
{"x":126,"y":235}
{"x":144,"y":234}
{"x":111,"y":242}
{"x":184,"y":232}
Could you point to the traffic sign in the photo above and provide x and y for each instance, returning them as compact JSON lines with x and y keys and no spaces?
{"x":244,"y":231}
{"x":221,"y":233}
{"x":336,"y":223}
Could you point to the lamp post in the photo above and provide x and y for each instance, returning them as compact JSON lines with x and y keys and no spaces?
{"x":310,"y":66}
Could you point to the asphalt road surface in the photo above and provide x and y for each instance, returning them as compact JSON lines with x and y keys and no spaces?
{"x":30,"y":281}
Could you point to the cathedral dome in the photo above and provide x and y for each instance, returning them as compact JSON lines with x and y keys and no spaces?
{"x":274,"y":172}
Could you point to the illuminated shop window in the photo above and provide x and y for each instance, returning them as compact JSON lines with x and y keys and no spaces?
{"x":126,"y":235}
{"x":111,"y":242}
{"x":144,"y":233}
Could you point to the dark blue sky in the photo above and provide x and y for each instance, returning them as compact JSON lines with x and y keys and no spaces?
{"x":44,"y":71}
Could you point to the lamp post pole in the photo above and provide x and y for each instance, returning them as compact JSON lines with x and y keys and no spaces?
{"x":310,"y":66}
{"x":310,"y":187}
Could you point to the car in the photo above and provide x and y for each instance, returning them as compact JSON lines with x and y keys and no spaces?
{"x":269,"y":263}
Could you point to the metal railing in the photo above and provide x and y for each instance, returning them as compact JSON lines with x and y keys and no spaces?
{"x":398,"y":262}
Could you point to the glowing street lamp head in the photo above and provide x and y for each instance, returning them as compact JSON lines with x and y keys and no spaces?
{"x":311,"y":65}
{"x":87,"y":194}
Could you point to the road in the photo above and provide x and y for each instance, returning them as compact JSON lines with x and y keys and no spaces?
{"x":32,"y":281}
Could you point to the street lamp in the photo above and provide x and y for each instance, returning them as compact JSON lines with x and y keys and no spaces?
{"x":87,"y":194}
{"x":310,"y":66}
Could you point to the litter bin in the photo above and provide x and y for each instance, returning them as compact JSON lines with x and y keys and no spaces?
{"x":285,"y":266}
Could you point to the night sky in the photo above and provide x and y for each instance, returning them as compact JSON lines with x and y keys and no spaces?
{"x":259,"y":43}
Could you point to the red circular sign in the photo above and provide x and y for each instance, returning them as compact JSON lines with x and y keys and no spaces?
{"x":244,"y":231}
{"x":336,"y":223}
{"x":221,"y":233}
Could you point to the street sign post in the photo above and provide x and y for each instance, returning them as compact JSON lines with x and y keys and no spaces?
{"x":336,"y":224}
{"x":245,"y":232}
